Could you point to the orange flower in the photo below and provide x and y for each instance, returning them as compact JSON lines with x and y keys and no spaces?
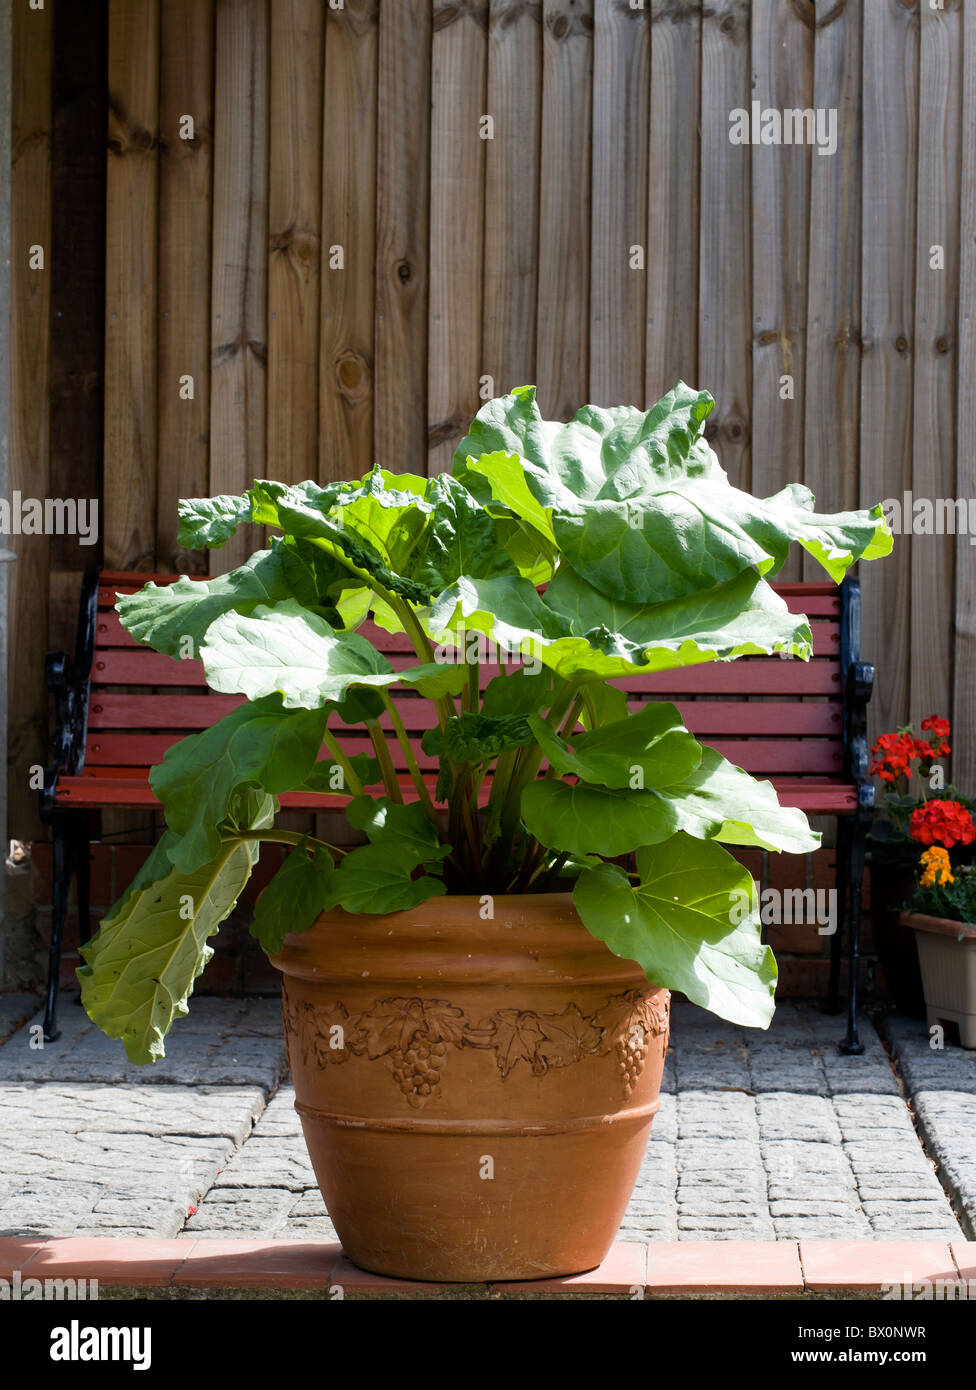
{"x":937,"y":868}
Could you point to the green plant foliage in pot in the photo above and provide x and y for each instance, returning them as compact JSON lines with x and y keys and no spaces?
{"x":575,"y":554}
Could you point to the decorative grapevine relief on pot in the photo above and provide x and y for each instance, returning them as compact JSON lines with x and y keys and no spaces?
{"x":417,"y":1036}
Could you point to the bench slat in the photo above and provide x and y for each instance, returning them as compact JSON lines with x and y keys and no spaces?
{"x":811,"y":756}
{"x":734,"y":718}
{"x":110,"y":633}
{"x":748,"y":676}
{"x":91,"y":793}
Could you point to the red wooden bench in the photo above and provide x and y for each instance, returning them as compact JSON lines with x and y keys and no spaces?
{"x":799,"y":724}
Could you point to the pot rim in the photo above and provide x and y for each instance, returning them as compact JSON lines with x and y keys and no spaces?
{"x":938,"y":926}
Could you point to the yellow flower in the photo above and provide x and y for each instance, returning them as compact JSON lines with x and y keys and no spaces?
{"x":936,"y":861}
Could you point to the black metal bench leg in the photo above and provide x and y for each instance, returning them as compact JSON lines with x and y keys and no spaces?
{"x":62,"y":855}
{"x":859,"y":831}
{"x":832,"y":1002}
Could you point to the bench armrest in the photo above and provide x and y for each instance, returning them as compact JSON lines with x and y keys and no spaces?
{"x":68,"y":680}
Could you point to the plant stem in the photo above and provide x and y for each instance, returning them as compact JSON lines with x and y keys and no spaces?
{"x":348,"y":772}
{"x":390,"y":779}
{"x":529,"y":762}
{"x":552,"y":870}
{"x":411,"y":759}
{"x":282,"y":837}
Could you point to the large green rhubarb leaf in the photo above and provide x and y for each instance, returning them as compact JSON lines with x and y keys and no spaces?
{"x":260,"y":744}
{"x":290,"y":651}
{"x":640,"y":504}
{"x":141,"y":964}
{"x":685,"y":924}
{"x":715,"y":801}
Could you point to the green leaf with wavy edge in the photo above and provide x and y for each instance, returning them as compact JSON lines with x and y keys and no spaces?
{"x":296,"y":895}
{"x":640,"y":503}
{"x":743,"y":618}
{"x":174,"y":618}
{"x":379,"y":877}
{"x":260,"y":744}
{"x":518,"y":692}
{"x":206,"y":523}
{"x":141,"y":964}
{"x":677,"y":923}
{"x":585,"y":819}
{"x":649,"y":749}
{"x":387,"y":822}
{"x":717,"y":801}
{"x":290,"y":651}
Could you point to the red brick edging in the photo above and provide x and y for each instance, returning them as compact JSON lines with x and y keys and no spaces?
{"x":667,"y":1268}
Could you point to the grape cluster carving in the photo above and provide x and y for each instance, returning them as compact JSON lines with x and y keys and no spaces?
{"x":417,"y":1036}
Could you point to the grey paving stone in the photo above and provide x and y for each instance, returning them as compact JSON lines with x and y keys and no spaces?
{"x":927,"y":1068}
{"x":947,"y":1120}
{"x":15,"y":1010}
{"x":130,"y":1159}
{"x":221,"y":1043}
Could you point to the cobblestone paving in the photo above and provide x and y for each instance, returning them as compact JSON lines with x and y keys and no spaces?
{"x":941,"y":1083}
{"x":759,"y":1136}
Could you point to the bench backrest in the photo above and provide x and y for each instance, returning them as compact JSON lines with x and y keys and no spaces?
{"x":776,"y":718}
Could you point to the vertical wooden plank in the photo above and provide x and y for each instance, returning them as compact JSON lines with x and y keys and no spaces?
{"x":131,"y":284}
{"x":30,"y":386}
{"x":830,"y":399}
{"x":621,"y":46}
{"x":512,"y":193}
{"x":402,"y":216}
{"x":80,"y":114}
{"x":562,"y":361}
{"x":889,"y":98}
{"x":782,"y":61}
{"x":725,"y":293}
{"x":294,"y":212}
{"x":672,"y":205}
{"x":459,"y":54}
{"x":936,"y":286}
{"x":348,"y":223}
{"x":964,"y":665}
{"x":185,"y":206}
{"x":240,"y":256}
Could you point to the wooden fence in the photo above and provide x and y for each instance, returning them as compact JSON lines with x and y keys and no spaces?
{"x":319,"y":233}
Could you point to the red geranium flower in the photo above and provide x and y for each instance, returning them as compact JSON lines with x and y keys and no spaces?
{"x":942,"y":822}
{"x":894,"y":753}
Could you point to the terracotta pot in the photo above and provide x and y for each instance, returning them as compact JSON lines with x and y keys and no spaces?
{"x":476,"y":1094}
{"x":947,"y":957}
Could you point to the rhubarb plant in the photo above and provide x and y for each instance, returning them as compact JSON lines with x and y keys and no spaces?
{"x":571,"y":555}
